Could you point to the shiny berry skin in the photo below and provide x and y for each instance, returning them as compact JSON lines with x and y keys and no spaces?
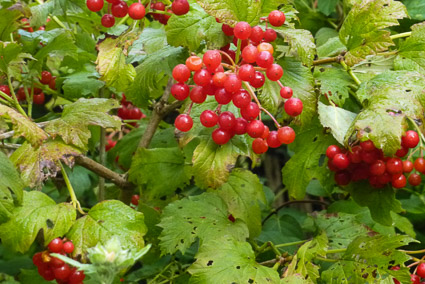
{"x":136,"y":11}
{"x":255,"y":128}
{"x":293,"y":106}
{"x":240,"y":126}
{"x":227,"y":30}
{"x":246,"y":72}
{"x":369,"y":156}
{"x":286,"y":135}
{"x":219,"y":79}
{"x":55,"y":245}
{"x":398,"y":181}
{"x":342,"y":177}
{"x":332,"y":150}
{"x":197,"y":95}
{"x":273,"y":140}
{"x":250,"y":53}
{"x":270,"y":35}
{"x":52,"y":84}
{"x":420,"y":270}
{"x":38,"y":99}
{"x":274,"y":72}
{"x":265,"y":46}
{"x":407,"y":166}
{"x":420,"y":165}
{"x":266,"y":132}
{"x":257,"y":34}
{"x":56,"y":262}
{"x":250,"y":112}
{"x":286,"y":92}
{"x":46,"y":76}
{"x":181,"y":73}
{"x":259,"y":146}
{"x":62,"y":273}
{"x":226,"y":120}
{"x":5,"y":89}
{"x":402,"y":152}
{"x":180,"y":7}
{"x":222,"y":96}
{"x":258,"y":80}
{"x":367,"y":145}
{"x":410,"y":139}
{"x":385,"y":178}
{"x":220,"y":136}
{"x":242,"y":30}
{"x":136,"y":113}
{"x":95,"y":5}
{"x":37,"y":259}
{"x":194,"y":63}
{"x":180,"y":91}
{"x":394,"y":166}
{"x":415,"y":279}
{"x":135,"y":199}
{"x":202,"y":77}
{"x":208,"y":118}
{"x":108,"y":20}
{"x":233,"y":83}
{"x":76,"y":277}
{"x":113,"y":1}
{"x":415,"y":179}
{"x":355,"y":155}
{"x":212,"y":59}
{"x":377,"y":168}
{"x":341,"y":161}
{"x":241,"y":99}
{"x":276,"y":18}
{"x":183,"y":122}
{"x":119,"y":10}
{"x":46,"y":272}
{"x":68,"y":247}
{"x":264,"y":59}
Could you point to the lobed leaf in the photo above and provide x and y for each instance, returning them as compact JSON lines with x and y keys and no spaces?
{"x":411,"y":55}
{"x":301,"y":43}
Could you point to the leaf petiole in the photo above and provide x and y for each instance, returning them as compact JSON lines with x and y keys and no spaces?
{"x":74,"y":200}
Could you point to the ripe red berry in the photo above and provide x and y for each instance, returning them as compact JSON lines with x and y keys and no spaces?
{"x":226,"y":120}
{"x":332,"y":150}
{"x":276,"y":18}
{"x":227,"y":30}
{"x":180,"y":91}
{"x":37,"y":259}
{"x":120,"y":9}
{"x":5,"y":89}
{"x":56,"y":262}
{"x":219,"y":79}
{"x":136,"y":11}
{"x":220,"y":136}
{"x":250,"y":53}
{"x":68,"y":247}
{"x":222,"y":96}
{"x":183,"y":122}
{"x":257,"y":34}
{"x":273,"y":140}
{"x":420,"y":165}
{"x":63,"y":272}
{"x":367,"y":145}
{"x":420,"y":270}
{"x":197,"y":95}
{"x":208,"y":118}
{"x":341,"y":161}
{"x":46,"y":76}
{"x":369,"y":156}
{"x":259,"y":146}
{"x":394,"y":166}
{"x":194,"y":63}
{"x":95,"y":5}
{"x":108,"y":20}
{"x":255,"y":128}
{"x":414,"y":180}
{"x":135,"y":199}
{"x":240,"y":126}
{"x":407,"y":166}
{"x":56,"y":245}
{"x":202,"y":77}
{"x":293,"y":106}
{"x":46,"y":272}
{"x":233,"y":83}
{"x":241,"y":98}
{"x":410,"y":139}
{"x":264,"y":59}
{"x":355,"y":154}
{"x":76,"y":277}
{"x":274,"y":72}
{"x":250,"y":112}
{"x":212,"y":59}
{"x":180,"y":7}
{"x":258,"y":80}
{"x":402,"y":152}
{"x":270,"y":35}
{"x":52,"y":84}
{"x":38,"y":99}
{"x":342,"y":177}
{"x":242,"y":30}
{"x":377,"y":168}
{"x":286,"y":135}
{"x":181,"y":73}
{"x":246,"y":72}
{"x":398,"y":181}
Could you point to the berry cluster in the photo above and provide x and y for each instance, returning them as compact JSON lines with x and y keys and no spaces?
{"x":135,"y":199}
{"x":129,"y":111}
{"x":136,"y":11}
{"x":236,"y":85}
{"x":51,"y":268}
{"x":365,"y":161}
{"x":414,"y":278}
{"x":26,"y":25}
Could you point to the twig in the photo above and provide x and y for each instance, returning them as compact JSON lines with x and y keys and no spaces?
{"x":102,"y":157}
{"x":335,"y":59}
{"x":10,"y":146}
{"x":11,"y":133}
{"x":406,"y":34}
{"x":293,"y":202}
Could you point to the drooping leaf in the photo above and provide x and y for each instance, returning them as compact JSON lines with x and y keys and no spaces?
{"x":337,"y":119}
{"x":233,"y":262}
{"x":76,"y":117}
{"x":191,"y":29}
{"x":38,"y":164}
{"x":301,"y":43}
{"x":11,"y":188}
{"x":388,"y":98}
{"x":203,"y":216}
{"x":8,"y":22}
{"x":106,"y":220}
{"x":363,"y":29}
{"x":23,"y":126}
{"x":411,"y":55}
{"x":38,"y":212}
{"x":335,"y":83}
{"x":169,"y":167}
{"x":416,"y":9}
{"x":242,"y":194}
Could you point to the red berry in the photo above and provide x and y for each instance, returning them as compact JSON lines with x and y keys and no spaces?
{"x":242,"y":30}
{"x":219,"y":79}
{"x":420,"y":270}
{"x":273,"y":140}
{"x":108,"y":20}
{"x":56,"y":245}
{"x":38,"y":99}
{"x":332,"y":150}
{"x":222,"y":96}
{"x":136,"y":11}
{"x":414,"y":180}
{"x":240,"y":126}
{"x":270,"y":35}
{"x":286,"y":135}
{"x":402,"y":152}
{"x":250,"y":112}
{"x":259,"y":146}
{"x":355,"y":155}
{"x":342,"y":177}
{"x":266,"y":132}
{"x":37,"y":259}
{"x":369,"y":156}
{"x":135,"y":199}
{"x":95,"y":5}
{"x":246,"y":72}
{"x":52,"y":84}
{"x":410,"y":139}
{"x":377,"y":168}
{"x":257,"y":34}
{"x":111,"y":144}
{"x":274,"y":72}
{"x":407,"y":166}
{"x":227,"y":30}
{"x":120,"y":9}
{"x":46,"y":76}
{"x":250,"y":53}
{"x":394,"y":166}
{"x":398,"y":181}
{"x":208,"y":118}
{"x":197,"y":95}
{"x":62,"y":273}
{"x":180,"y":7}
{"x":46,"y":272}
{"x":241,"y":99}
{"x":212,"y":59}
{"x":183,"y":122}
{"x":202,"y":77}
{"x":76,"y":277}
{"x":5,"y":89}
{"x":220,"y":136}
{"x":258,"y":80}
{"x":264,"y":59}
{"x":181,"y":73}
{"x":136,"y":113}
{"x":293,"y":106}
{"x":341,"y":161}
{"x":194,"y":63}
{"x":420,"y":165}
{"x":415,"y":279}
{"x":385,"y":178}
{"x":276,"y":18}
{"x":68,"y":247}
{"x":233,"y":83}
{"x":226,"y":120}
{"x":255,"y":128}
{"x":180,"y":91}
{"x":367,"y":145}
{"x":56,"y":262}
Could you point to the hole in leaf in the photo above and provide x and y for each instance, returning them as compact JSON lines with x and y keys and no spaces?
{"x":238,"y":267}
{"x":210,"y":263}
{"x":49,"y":224}
{"x":250,"y":281}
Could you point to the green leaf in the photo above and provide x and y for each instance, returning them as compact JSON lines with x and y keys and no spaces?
{"x":191,"y":29}
{"x":229,"y":261}
{"x":337,"y":119}
{"x":169,"y":167}
{"x":294,"y":279}
{"x":106,"y":220}
{"x":335,"y":83}
{"x":242,"y":194}
{"x":411,"y":55}
{"x":152,"y":39}
{"x":152,"y":74}
{"x":304,"y":165}
{"x":39,"y":164}
{"x":8,"y":22}
{"x":388,"y":98}
{"x":81,"y":84}
{"x":9,"y":52}
{"x":327,"y":7}
{"x":112,"y":66}
{"x":203,"y":216}
{"x":380,"y":201}
{"x":269,"y":96}
{"x":416,"y":9}
{"x":11,"y":188}
{"x":363,"y":29}
{"x":301,"y":43}
{"x":37,"y":213}
{"x":73,"y":126}
{"x":23,"y":126}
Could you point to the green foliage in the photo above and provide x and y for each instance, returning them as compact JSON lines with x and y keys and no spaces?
{"x":337,"y":119}
{"x":301,"y":43}
{"x":411,"y":55}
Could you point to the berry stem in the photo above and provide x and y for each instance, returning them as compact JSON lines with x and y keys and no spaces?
{"x":252,"y":93}
{"x":160,"y":12}
{"x":414,"y":251}
{"x":6,"y":97}
{"x":291,"y":244}
{"x":228,"y":56}
{"x":272,"y":117}
{"x":326,"y":259}
{"x":15,"y":99}
{"x":74,"y":200}
{"x":238,"y":51}
{"x":406,"y":34}
{"x":4,"y":101}
{"x":350,"y":72}
{"x":123,"y":20}
{"x":29,"y":98}
{"x":227,"y":66}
